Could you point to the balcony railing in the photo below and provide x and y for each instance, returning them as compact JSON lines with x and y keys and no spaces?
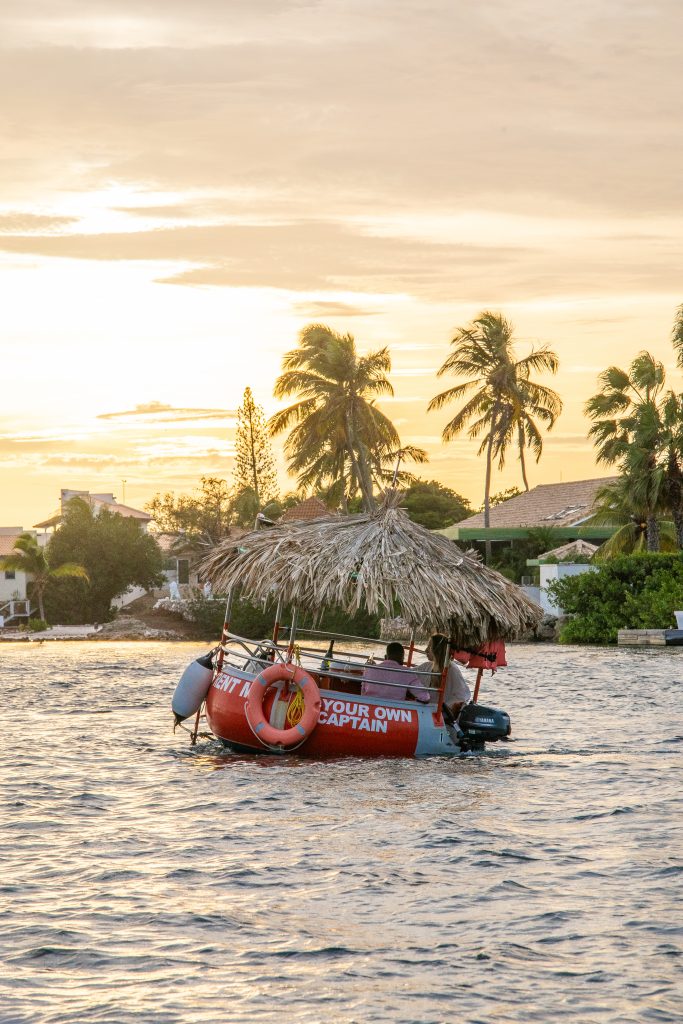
{"x":14,"y":610}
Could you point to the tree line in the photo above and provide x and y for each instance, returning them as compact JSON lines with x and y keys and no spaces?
{"x":637,"y":426}
{"x":341,"y":446}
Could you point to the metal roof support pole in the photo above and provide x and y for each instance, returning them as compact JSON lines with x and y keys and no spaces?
{"x":477,"y":684}
{"x":278,"y":616}
{"x":442,"y":687}
{"x":450,"y":651}
{"x":292,"y":633}
{"x":224,"y":631}
{"x":411,"y":648}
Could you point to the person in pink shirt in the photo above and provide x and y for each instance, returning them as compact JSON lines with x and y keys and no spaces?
{"x":389,"y":679}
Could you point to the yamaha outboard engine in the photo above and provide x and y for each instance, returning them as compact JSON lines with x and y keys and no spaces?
{"x":483,"y":725}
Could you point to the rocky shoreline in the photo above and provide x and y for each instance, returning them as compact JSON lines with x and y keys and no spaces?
{"x":125,"y":627}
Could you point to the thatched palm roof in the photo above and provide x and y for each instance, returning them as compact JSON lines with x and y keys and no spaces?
{"x":381,"y":561}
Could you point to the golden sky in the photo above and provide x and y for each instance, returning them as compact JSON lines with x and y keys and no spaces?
{"x":184,"y":186}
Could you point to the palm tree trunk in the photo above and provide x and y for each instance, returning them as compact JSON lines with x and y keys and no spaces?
{"x":368,"y":489}
{"x":652,"y":533}
{"x":521,"y":457}
{"x":359,"y":463}
{"x":677,"y":516}
{"x":675,"y":495}
{"x":487,"y":492}
{"x":41,"y":606}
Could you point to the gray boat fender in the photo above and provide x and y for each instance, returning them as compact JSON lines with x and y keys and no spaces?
{"x":192,"y":687}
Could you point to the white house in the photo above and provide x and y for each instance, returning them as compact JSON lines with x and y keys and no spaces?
{"x":558,"y":568}
{"x":14,"y":606}
{"x":97,"y":502}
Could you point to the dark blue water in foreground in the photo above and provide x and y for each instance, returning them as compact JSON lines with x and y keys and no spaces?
{"x":142,"y":881}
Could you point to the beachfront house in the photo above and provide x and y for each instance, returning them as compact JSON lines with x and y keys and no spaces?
{"x":97,"y":502}
{"x":14,"y":604}
{"x":566,"y":508}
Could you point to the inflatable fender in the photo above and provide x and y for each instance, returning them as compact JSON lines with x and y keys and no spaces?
{"x":192,"y":687}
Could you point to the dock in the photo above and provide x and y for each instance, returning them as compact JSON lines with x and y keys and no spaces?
{"x":650,"y":638}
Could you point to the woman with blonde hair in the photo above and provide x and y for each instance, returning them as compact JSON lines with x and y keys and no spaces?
{"x":457,"y":692}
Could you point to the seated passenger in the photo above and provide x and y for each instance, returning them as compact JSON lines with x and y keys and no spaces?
{"x":377,"y":679}
{"x":457,"y":692}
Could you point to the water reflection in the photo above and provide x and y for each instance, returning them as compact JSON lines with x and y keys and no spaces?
{"x":147,"y":881}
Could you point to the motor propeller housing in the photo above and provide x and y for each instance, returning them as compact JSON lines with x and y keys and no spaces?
{"x":482,"y":724}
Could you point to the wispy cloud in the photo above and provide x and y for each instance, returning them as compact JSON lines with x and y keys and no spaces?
{"x":23,"y":223}
{"x":322,"y":310}
{"x":168,"y":413}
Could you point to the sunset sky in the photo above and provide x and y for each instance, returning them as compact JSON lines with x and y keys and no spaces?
{"x":184,"y":186}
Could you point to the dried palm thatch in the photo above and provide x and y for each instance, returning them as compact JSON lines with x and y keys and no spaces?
{"x":381,"y":561}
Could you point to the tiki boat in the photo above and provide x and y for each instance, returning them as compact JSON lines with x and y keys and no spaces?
{"x":307,"y":691}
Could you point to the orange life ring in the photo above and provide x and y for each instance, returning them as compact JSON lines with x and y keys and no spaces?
{"x":253,"y":708}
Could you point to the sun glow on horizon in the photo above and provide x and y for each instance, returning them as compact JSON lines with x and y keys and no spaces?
{"x":219,"y":180}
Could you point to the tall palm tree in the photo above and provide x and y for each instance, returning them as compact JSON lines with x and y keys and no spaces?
{"x":627,"y":430}
{"x":337,"y":431}
{"x":30,"y":558}
{"x":332,"y":474}
{"x":671,"y":411}
{"x":506,"y":403}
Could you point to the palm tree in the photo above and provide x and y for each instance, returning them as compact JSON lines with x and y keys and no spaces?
{"x":627,"y":429}
{"x":30,"y":558}
{"x":671,"y":410}
{"x":677,"y":335}
{"x":619,"y":504}
{"x":506,"y":403}
{"x":331,"y":473}
{"x":338,"y":433}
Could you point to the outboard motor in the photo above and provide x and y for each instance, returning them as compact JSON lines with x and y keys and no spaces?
{"x":192,"y":687}
{"x":481,"y":724}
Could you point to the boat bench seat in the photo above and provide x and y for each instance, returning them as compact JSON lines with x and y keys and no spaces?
{"x":340,"y":685}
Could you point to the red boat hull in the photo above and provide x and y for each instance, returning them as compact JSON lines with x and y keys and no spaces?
{"x":349,"y":725}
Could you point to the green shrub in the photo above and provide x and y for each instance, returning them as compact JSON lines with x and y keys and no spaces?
{"x":37,"y":625}
{"x":254,"y":622}
{"x":631,"y":592}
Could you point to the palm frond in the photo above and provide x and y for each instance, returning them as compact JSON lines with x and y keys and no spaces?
{"x":452,"y":394}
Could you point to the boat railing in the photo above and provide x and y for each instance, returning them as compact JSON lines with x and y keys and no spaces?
{"x":346,"y":665}
{"x":255,"y":654}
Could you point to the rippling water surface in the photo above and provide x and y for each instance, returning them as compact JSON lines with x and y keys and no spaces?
{"x":144,"y":881}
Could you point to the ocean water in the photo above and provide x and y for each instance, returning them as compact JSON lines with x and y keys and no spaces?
{"x":141,"y":880}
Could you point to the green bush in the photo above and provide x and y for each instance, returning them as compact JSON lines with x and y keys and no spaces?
{"x":36,"y":626}
{"x":252,"y":621}
{"x":247,"y":619}
{"x":631,"y":592}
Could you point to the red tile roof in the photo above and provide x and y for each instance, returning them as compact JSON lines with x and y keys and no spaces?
{"x":312,"y":508}
{"x":7,"y":542}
